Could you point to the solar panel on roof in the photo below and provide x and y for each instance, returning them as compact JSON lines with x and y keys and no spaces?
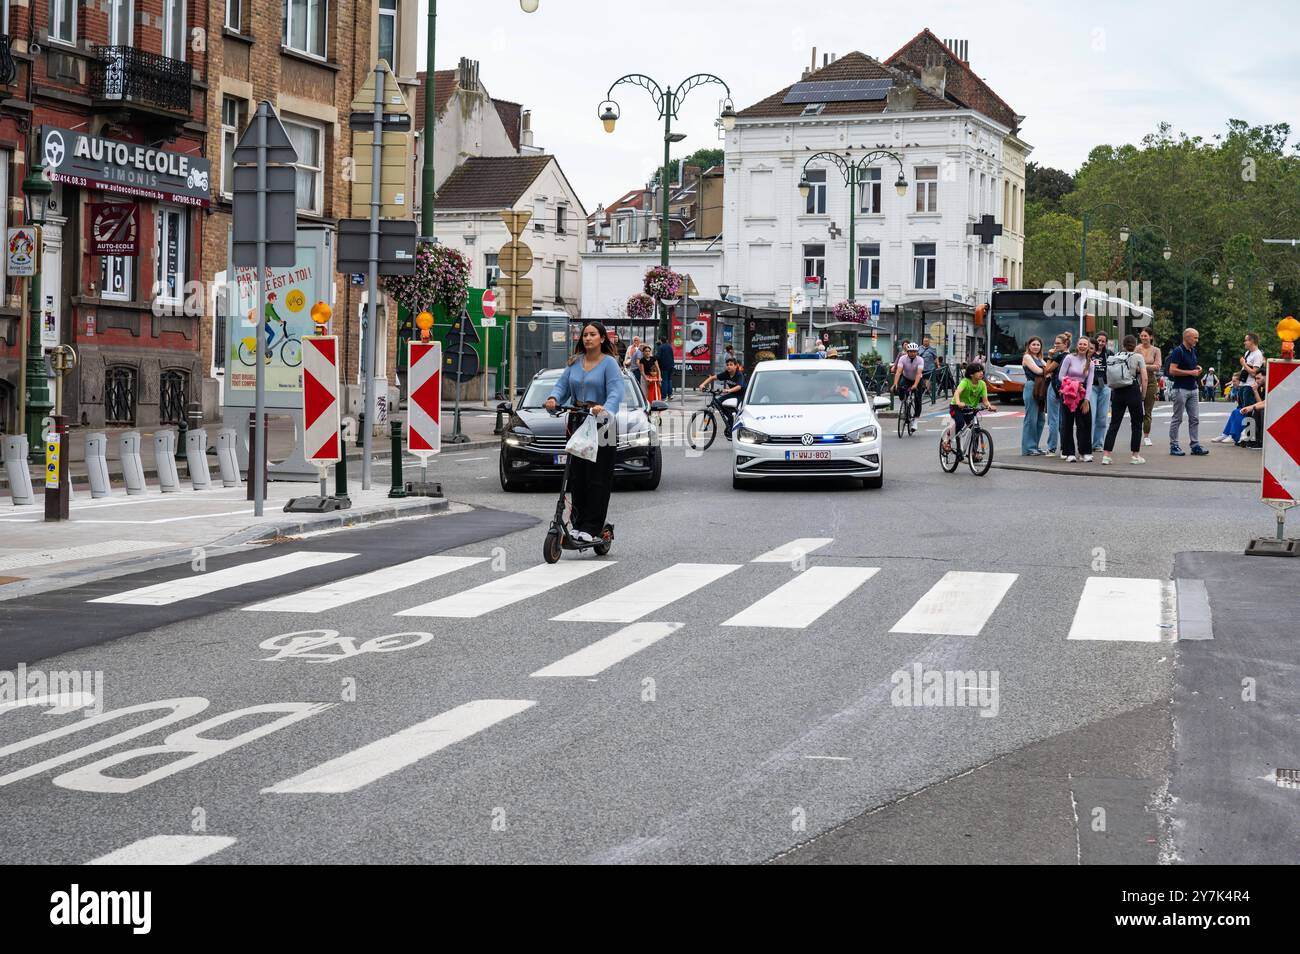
{"x":838,"y":91}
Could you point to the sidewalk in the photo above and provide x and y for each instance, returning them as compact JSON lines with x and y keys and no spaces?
{"x":1226,"y":463}
{"x":123,"y":534}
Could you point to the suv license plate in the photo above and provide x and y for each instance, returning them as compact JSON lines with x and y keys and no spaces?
{"x":561,"y":458}
{"x":808,"y":455}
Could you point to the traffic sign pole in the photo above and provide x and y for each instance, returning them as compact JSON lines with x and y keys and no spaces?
{"x":372,"y":305}
{"x":259,"y":401}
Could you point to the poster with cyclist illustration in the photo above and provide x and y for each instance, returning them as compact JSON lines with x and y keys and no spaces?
{"x":287,"y":315}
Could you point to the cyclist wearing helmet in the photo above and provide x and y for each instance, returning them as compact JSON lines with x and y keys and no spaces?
{"x":910,"y":369}
{"x":972,"y":394}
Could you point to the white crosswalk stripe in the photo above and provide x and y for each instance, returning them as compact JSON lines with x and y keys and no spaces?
{"x":789,"y":552}
{"x":354,"y":588}
{"x":958,"y":605}
{"x":1125,"y":610}
{"x":802,"y":600}
{"x":507,"y":590}
{"x":649,"y":594}
{"x":166,"y":850}
{"x":599,"y":656}
{"x":201,"y":584}
{"x":360,"y":767}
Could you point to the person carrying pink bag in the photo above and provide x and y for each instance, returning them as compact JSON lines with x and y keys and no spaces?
{"x":1076,"y":412}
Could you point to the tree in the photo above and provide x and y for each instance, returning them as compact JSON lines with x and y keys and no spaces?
{"x":1046,"y":185}
{"x":704,"y":158}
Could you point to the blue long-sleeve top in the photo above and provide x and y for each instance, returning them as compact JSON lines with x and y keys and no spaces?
{"x":602,"y":385}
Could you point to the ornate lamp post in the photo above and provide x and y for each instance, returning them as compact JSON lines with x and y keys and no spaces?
{"x":1250,"y":288}
{"x":852,"y":170}
{"x":36,"y":193}
{"x":667,"y":100}
{"x":1083,"y":245}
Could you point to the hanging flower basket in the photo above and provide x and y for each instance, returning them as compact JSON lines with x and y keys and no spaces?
{"x":441,"y":277}
{"x":662,"y":282}
{"x":640,"y":306}
{"x":852,"y":311}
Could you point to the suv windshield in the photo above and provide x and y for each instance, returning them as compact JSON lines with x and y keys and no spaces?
{"x":540,"y":389}
{"x":798,"y":386}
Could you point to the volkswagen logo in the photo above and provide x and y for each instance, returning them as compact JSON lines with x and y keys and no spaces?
{"x":806,"y":440}
{"x":54,"y":150}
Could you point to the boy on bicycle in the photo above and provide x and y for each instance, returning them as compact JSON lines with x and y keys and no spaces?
{"x":971,"y":394}
{"x":734,"y":379}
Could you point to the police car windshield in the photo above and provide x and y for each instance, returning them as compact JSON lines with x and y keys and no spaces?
{"x":541,"y":388}
{"x":812,"y":386}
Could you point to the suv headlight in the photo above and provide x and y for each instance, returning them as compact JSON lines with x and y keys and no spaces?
{"x":637,"y":439}
{"x":863,"y":435}
{"x":520,"y":436}
{"x":747,"y":436}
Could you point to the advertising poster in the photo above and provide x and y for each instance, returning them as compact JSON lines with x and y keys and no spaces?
{"x":290,"y":294}
{"x":691,"y":338}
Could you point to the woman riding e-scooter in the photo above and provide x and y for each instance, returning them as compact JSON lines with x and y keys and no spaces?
{"x":592,"y":379}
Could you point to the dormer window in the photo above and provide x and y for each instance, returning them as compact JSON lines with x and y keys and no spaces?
{"x":813,"y":109}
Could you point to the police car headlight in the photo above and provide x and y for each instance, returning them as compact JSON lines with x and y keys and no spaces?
{"x":747,"y":436}
{"x":863,"y":435}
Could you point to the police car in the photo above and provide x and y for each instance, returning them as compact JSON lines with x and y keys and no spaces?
{"x":807,"y":418}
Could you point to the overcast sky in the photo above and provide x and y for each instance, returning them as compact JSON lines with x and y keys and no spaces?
{"x":1107,"y":73}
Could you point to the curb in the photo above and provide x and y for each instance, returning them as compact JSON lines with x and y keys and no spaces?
{"x":341,"y":518}
{"x":1126,"y":473}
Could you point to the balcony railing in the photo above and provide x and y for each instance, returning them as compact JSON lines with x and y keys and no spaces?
{"x":8,"y":68}
{"x":134,"y":76}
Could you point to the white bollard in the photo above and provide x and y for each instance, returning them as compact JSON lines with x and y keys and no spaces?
{"x":164,"y":458}
{"x":196,"y":455}
{"x":128,"y":449}
{"x":20,"y":478}
{"x":228,"y":456}
{"x":97,"y":466}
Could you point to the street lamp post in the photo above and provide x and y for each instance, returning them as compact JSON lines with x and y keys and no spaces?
{"x":1083,"y":245}
{"x":852,"y":170}
{"x":431,"y":119}
{"x":36,"y":189}
{"x":1187,"y":270}
{"x":1250,"y":289}
{"x":667,"y":100}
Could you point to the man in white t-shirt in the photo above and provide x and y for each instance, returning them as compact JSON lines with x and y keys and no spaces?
{"x":632,"y":358}
{"x":1251,"y":361}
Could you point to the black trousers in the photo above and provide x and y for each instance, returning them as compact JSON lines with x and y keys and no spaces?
{"x":907,"y":392}
{"x":590,"y":483}
{"x":1121,"y":400}
{"x":1076,"y":431}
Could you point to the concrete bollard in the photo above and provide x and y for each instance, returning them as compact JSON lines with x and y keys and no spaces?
{"x":20,"y":478}
{"x":164,"y":457}
{"x":128,"y":449}
{"x":228,"y":456}
{"x":97,"y":466}
{"x":196,"y":455}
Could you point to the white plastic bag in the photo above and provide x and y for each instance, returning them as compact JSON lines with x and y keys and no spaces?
{"x":585,"y":441}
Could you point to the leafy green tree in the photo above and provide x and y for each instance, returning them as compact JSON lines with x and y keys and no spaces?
{"x":1046,"y":185}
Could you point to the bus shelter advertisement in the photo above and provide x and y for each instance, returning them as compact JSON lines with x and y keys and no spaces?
{"x":290,"y":294}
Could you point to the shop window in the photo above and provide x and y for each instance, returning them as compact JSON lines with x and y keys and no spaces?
{"x":169,"y":247}
{"x":115,"y":277}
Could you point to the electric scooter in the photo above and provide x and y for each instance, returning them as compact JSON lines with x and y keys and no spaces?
{"x":559,"y":535}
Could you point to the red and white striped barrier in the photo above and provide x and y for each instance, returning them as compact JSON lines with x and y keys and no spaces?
{"x":320,"y":399}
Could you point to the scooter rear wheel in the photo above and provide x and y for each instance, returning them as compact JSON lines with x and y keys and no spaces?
{"x":551,"y":548}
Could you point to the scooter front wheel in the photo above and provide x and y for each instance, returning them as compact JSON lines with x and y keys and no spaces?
{"x":551,"y":548}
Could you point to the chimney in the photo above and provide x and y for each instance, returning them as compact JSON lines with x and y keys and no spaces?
{"x":812,"y":67}
{"x":933,"y":74}
{"x":526,"y":129}
{"x":961,"y":48}
{"x":826,"y":59}
{"x":467,"y":74}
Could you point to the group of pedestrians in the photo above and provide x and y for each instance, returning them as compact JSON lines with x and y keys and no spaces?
{"x":1080,"y":392}
{"x":651,"y":368}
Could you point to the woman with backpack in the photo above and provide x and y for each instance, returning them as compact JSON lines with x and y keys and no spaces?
{"x":1126,"y":375}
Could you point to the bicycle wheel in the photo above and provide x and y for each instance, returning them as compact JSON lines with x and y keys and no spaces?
{"x":246,"y":353}
{"x":980,"y":457}
{"x":701,"y":430}
{"x":949,"y":459}
{"x":291,"y":352}
{"x":903,"y":412}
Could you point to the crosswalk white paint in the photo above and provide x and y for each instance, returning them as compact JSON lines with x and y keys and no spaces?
{"x":648,"y":594}
{"x":599,"y":656}
{"x":802,"y":600}
{"x":509,"y":589}
{"x":1124,"y":609}
{"x":201,"y":584}
{"x":354,"y":588}
{"x":789,"y":552}
{"x":360,"y":767}
{"x":166,"y":850}
{"x":958,"y":605}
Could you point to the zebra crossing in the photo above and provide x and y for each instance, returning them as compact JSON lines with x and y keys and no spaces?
{"x":959,"y":603}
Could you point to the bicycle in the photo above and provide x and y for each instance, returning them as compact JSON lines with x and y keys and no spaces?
{"x":290,"y":349}
{"x":973,"y":443}
{"x":702,"y":428}
{"x":906,"y":411}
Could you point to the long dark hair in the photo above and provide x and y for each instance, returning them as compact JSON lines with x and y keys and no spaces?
{"x":605,"y":346}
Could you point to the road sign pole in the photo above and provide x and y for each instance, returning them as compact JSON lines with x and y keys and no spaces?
{"x":514,"y":307}
{"x":259,"y":401}
{"x":372,"y":309}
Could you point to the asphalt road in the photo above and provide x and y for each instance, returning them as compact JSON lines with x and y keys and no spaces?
{"x":712,"y":728}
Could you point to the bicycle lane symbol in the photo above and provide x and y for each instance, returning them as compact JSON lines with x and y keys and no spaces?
{"x":327,"y":646}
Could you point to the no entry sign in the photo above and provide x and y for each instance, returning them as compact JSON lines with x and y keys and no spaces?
{"x":424,"y":413}
{"x":320,"y":398}
{"x":1281,"y":481}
